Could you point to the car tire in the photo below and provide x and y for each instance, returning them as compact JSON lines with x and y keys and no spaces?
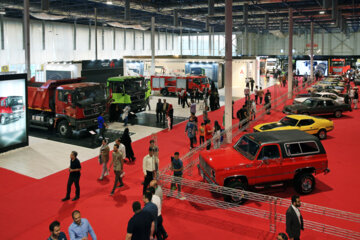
{"x":304,"y":183}
{"x":338,"y":114}
{"x":64,"y":129}
{"x":322,"y":134}
{"x":237,"y":184}
{"x":164,"y":92}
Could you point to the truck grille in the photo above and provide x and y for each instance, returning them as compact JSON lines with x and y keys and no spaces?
{"x":137,"y":97}
{"x":93,"y":111}
{"x":205,"y":166}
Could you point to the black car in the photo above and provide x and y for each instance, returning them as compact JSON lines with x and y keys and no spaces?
{"x":318,"y":106}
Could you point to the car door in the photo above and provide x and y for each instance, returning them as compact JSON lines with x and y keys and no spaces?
{"x":268,"y":164}
{"x":307,"y":125}
{"x":320,"y":108}
{"x":330,"y":106}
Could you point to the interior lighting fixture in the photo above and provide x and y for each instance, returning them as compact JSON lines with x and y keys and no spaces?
{"x":109,"y":2}
{"x":322,"y":12}
{"x":2,"y":11}
{"x":194,"y":19}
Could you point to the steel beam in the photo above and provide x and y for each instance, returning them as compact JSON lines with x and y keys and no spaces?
{"x":27,"y":38}
{"x":2,"y":32}
{"x":96,"y":47}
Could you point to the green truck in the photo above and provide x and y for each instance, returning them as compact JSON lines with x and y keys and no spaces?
{"x":127,"y":90}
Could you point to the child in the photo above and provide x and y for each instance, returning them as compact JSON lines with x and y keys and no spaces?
{"x":202,"y":133}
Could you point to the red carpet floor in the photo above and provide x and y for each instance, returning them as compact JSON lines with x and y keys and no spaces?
{"x":27,"y":206}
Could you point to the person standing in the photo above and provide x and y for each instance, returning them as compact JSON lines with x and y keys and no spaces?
{"x":252,"y":82}
{"x":268,"y":102}
{"x":208,"y":134}
{"x":104,"y":158}
{"x":159,"y":106}
{"x":170,"y":114}
{"x":74,"y":177}
{"x":125,"y":115}
{"x":158,"y":189}
{"x":177,"y":168}
{"x":150,"y":167}
{"x":193,"y":107}
{"x":261,"y":95}
{"x":118,"y":162}
{"x":217,"y":135}
{"x":122,"y":148}
{"x":284,"y":80}
{"x":141,"y":225}
{"x":126,"y":140}
{"x":294,"y":220}
{"x":247,"y":93}
{"x":164,"y":110}
{"x":55,"y":231}
{"x":202,"y":133}
{"x":102,"y":128}
{"x":253,"y":110}
{"x":256,"y":93}
{"x":191,"y":130}
{"x":80,"y":228}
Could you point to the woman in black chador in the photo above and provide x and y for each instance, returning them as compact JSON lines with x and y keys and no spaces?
{"x":126,"y":140}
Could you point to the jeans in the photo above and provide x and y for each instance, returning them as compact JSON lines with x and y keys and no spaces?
{"x":192,"y":141}
{"x":117,"y":179}
{"x":126,"y":120}
{"x":104,"y":170}
{"x":75,"y":180}
{"x":173,"y":184}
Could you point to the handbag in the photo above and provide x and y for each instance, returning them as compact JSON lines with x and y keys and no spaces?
{"x":100,"y":159}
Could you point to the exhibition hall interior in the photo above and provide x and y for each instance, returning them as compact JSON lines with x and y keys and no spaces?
{"x":179,"y":119}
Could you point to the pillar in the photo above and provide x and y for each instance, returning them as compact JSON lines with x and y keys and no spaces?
{"x":152,"y":45}
{"x":228,"y":68}
{"x":290,"y":69}
{"x":312,"y":51}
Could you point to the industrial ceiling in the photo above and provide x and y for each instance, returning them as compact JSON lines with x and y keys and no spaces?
{"x":198,"y":16}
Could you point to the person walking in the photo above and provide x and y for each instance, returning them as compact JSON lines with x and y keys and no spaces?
{"x":217,"y":135}
{"x":253,"y":110}
{"x":165,"y":107}
{"x":101,"y":128}
{"x":74,"y":177}
{"x":294,"y":220}
{"x":261,"y":95}
{"x":80,"y":228}
{"x":151,"y":208}
{"x":55,"y":231}
{"x":160,"y":232}
{"x":141,"y":225}
{"x":191,"y":130}
{"x":193,"y":107}
{"x":256,"y":94}
{"x":150,"y":167}
{"x":252,"y":82}
{"x":208,"y":134}
{"x":268,"y":102}
{"x":177,"y":168}
{"x":122,"y":148}
{"x":118,"y":162}
{"x":247,"y":93}
{"x":159,"y":106}
{"x":126,"y":140}
{"x":158,"y":189}
{"x":125,"y":115}
{"x":104,"y":158}
{"x":170,"y":116}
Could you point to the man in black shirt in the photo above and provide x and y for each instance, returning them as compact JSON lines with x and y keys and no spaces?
{"x":141,"y":226}
{"x":74,"y":177}
{"x":159,"y":109}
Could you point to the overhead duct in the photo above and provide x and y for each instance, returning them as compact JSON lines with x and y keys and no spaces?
{"x":45,"y":5}
{"x":211,"y":7}
{"x":127,"y":10}
{"x":46,"y":16}
{"x":176,"y":18}
{"x":120,"y":25}
{"x":245,"y":16}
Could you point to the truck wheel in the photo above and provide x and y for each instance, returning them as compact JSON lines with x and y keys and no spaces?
{"x":3,"y":120}
{"x":304,"y":183}
{"x":338,"y":114}
{"x":322,"y":134}
{"x":64,"y":129}
{"x":236,"y":199}
{"x":164,"y":92}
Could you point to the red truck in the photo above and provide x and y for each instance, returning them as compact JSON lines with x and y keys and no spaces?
{"x":171,"y":85}
{"x":265,"y":159}
{"x":338,"y":66}
{"x":67,"y":104}
{"x":12,"y":108}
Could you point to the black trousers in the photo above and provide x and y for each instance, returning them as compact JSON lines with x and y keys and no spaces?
{"x":160,"y":231}
{"x":201,"y":139}
{"x":192,"y":141}
{"x":208,"y":145}
{"x":261,"y":98}
{"x":148,"y":178}
{"x":117,"y":180}
{"x":171,"y":122}
{"x":158,"y":116}
{"x":163,"y":117}
{"x":256,"y":98}
{"x":71,"y":180}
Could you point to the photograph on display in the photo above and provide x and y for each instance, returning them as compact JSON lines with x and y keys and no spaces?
{"x":303,"y":67}
{"x":209,"y":70}
{"x":134,"y":68}
{"x":12,"y":112}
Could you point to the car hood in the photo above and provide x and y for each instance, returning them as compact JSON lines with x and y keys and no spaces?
{"x":271,"y":126}
{"x":224,"y":158}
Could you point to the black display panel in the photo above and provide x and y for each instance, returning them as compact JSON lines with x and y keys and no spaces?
{"x":100,"y":70}
{"x":57,"y":75}
{"x":13,"y":112}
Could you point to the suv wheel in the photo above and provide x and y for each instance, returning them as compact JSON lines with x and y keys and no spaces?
{"x":304,"y":183}
{"x":164,"y":92}
{"x":322,"y":134}
{"x":64,"y":129}
{"x":236,"y":199}
{"x":338,"y":114}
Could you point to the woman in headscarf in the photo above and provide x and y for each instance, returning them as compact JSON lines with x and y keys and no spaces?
{"x":104,"y":158}
{"x":126,"y":140}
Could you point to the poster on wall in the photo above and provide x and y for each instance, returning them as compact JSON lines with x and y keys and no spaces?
{"x":303,"y":67}
{"x":13,"y":120}
{"x":208,"y":69}
{"x":134,"y":68}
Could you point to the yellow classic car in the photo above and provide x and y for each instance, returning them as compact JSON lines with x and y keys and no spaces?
{"x":312,"y":125}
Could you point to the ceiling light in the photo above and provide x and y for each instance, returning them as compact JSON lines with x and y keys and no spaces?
{"x":322,"y":12}
{"x":332,"y":23}
{"x":2,"y":11}
{"x":109,"y":2}
{"x":194,"y":19}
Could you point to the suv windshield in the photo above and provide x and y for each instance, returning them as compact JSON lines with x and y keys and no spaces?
{"x":135,"y":85}
{"x":89,"y":95}
{"x":247,"y":147}
{"x":287,"y":121}
{"x":309,"y":103}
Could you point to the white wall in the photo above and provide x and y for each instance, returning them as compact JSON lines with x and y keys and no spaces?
{"x":59,"y":43}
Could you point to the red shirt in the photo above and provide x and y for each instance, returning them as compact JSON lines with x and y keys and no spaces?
{"x":208,"y":133}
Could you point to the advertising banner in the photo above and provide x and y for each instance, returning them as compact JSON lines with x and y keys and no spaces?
{"x":208,"y":69}
{"x":13,"y":120}
{"x":303,"y":67}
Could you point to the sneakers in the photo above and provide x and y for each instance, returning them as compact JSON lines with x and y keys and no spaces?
{"x":173,"y":188}
{"x":112,"y":193}
{"x":106,"y":173}
{"x":65,"y":199}
{"x":75,"y":198}
{"x":119,"y":186}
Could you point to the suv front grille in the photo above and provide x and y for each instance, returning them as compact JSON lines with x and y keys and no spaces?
{"x":205,"y":166}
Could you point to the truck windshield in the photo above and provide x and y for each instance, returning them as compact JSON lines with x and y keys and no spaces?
{"x":89,"y":95}
{"x":13,"y":101}
{"x":205,"y":81}
{"x":287,"y":121}
{"x":338,"y":63}
{"x":135,"y":85}
{"x":247,"y":147}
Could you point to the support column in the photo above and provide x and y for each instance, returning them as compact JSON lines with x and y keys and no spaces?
{"x":2,"y":32}
{"x":114,"y":38}
{"x":189,"y":43}
{"x":323,"y":43}
{"x":181,"y":40}
{"x":228,"y":68}
{"x":89,"y":43}
{"x":312,"y":51}
{"x":197,"y":44}
{"x":210,"y":41}
{"x":166,"y":40}
{"x":96,"y":45}
{"x":152,"y":45}
{"x":290,"y":68}
{"x":27,"y":38}
{"x":134,"y":40}
{"x":246,"y":42}
{"x":43,"y":34}
{"x":74,"y":40}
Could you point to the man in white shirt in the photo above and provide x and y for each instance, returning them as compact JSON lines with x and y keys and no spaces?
{"x":150,"y":166}
{"x":158,"y":189}
{"x":294,"y":220}
{"x":160,"y":230}
{"x":122,"y":148}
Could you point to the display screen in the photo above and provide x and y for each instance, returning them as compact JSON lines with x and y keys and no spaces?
{"x":13,"y":119}
{"x":210,"y":70}
{"x":303,"y":67}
